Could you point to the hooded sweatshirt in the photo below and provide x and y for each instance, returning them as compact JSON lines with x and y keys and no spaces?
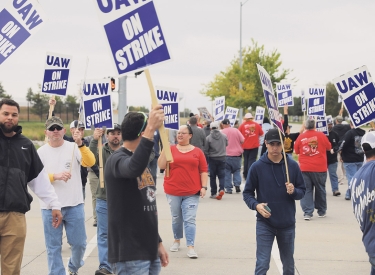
{"x":351,"y":150}
{"x":266,"y":184}
{"x":216,"y":144}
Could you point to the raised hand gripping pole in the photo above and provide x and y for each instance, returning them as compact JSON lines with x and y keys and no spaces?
{"x":163,"y":134}
{"x":51,"y":108}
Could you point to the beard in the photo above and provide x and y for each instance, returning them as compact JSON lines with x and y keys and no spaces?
{"x":7,"y":130}
{"x":114,"y":142}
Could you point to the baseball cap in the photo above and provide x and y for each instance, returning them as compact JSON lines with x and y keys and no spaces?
{"x":225,"y":121}
{"x":54,"y":121}
{"x":339,"y":118}
{"x":248,"y":115}
{"x":329,"y":120}
{"x":273,"y":135}
{"x":368,"y":141}
{"x":116,"y":126}
{"x":78,"y":123}
{"x":215,"y":125}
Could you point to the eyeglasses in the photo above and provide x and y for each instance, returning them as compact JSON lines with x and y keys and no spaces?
{"x":180,"y":133}
{"x":144,"y":122}
{"x":55,"y":127}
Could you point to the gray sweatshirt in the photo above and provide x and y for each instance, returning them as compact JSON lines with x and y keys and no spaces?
{"x":216,"y":144}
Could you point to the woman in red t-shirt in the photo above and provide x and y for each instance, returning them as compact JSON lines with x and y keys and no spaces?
{"x":187,"y":181}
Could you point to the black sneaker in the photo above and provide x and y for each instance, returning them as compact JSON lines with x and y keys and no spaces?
{"x":72,"y":273}
{"x":238,"y":189}
{"x":95,"y":224}
{"x":336,"y":193}
{"x":228,"y":191}
{"x":102,"y":271}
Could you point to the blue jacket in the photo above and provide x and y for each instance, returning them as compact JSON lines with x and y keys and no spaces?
{"x":267,"y":179}
{"x":362,"y":194}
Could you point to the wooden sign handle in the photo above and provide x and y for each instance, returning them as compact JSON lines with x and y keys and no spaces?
{"x":162,"y":132}
{"x":101,"y":171}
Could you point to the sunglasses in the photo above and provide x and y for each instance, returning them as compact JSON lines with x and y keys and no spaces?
{"x":55,"y":127}
{"x":144,"y":122}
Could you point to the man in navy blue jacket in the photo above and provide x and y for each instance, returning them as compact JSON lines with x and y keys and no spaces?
{"x":362,"y":188}
{"x":268,"y":180}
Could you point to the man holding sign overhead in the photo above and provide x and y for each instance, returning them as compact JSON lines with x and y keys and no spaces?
{"x":251,"y":132}
{"x":311,"y":147}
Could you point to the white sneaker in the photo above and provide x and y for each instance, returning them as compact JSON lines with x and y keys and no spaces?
{"x":175,"y":246}
{"x":192,"y":254}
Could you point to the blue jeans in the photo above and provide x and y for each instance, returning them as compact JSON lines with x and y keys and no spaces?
{"x":351,"y":168}
{"x":265,"y":235}
{"x":137,"y":267}
{"x":153,"y":165}
{"x":183,"y":211}
{"x":317,"y":180}
{"x":249,"y":157}
{"x":217,"y":168}
{"x":102,"y":233}
{"x":232,"y":166}
{"x":332,"y":168}
{"x":74,"y":223}
{"x":372,"y":261}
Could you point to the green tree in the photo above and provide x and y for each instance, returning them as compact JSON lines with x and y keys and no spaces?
{"x":29,"y":96}
{"x":138,"y":109}
{"x":332,"y":105}
{"x":72,"y":105}
{"x":3,"y":93}
{"x":226,"y":83}
{"x":39,"y":103}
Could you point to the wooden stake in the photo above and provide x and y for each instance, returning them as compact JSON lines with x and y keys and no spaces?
{"x":163,"y":135}
{"x":286,"y":162}
{"x":100,"y":148}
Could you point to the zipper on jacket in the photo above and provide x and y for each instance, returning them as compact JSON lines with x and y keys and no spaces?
{"x":6,"y":178}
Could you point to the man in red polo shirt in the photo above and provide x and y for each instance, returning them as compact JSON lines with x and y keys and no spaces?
{"x":251,"y":132}
{"x":312,"y":146}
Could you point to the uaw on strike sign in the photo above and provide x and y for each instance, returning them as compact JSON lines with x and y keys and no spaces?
{"x":269,"y":96}
{"x":18,"y":21}
{"x":56,"y":74}
{"x":358,"y":93}
{"x":97,"y":103}
{"x":134,"y":34}
{"x":169,"y":99}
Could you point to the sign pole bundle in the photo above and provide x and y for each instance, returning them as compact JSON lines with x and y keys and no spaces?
{"x":273,"y":110}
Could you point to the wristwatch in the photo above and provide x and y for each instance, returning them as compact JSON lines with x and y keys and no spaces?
{"x":205,"y":187}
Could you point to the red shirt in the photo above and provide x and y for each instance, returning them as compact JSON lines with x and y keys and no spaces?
{"x":251,"y":132}
{"x":311,"y":147}
{"x":184,"y":172}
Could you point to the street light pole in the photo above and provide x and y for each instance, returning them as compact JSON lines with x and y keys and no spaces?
{"x":241,"y":4}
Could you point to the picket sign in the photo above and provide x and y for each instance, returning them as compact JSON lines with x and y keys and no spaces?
{"x":162,"y":132}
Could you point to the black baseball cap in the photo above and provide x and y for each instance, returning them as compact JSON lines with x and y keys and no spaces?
{"x":273,"y":136}
{"x":225,"y":121}
{"x":116,"y":126}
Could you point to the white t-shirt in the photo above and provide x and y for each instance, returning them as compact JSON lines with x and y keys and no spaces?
{"x":57,"y":160}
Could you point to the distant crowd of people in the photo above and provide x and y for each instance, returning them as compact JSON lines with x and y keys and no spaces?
{"x":121,"y":165}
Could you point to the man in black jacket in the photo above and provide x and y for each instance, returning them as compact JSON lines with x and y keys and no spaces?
{"x":20,"y":167}
{"x":333,"y":138}
{"x":341,"y":130}
{"x":352,"y":153}
{"x":134,"y":243}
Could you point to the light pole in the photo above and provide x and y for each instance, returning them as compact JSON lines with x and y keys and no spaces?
{"x":241,"y":4}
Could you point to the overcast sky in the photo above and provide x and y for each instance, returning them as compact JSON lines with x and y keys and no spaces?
{"x":319,"y":40}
